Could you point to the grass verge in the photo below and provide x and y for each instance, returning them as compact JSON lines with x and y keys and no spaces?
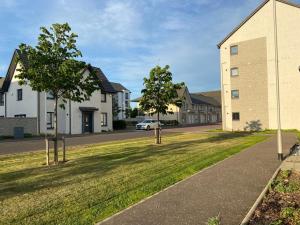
{"x":100,"y":180}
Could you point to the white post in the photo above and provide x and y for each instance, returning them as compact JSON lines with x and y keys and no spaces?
{"x":279,"y":135}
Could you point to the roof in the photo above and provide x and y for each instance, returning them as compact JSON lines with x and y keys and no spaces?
{"x":216,"y":95}
{"x":201,"y":99}
{"x":205,"y":98}
{"x":118,"y":87}
{"x":252,"y":14}
{"x":1,"y":82}
{"x":104,"y":84}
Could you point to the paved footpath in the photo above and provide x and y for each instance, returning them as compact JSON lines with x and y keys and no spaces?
{"x":229,"y":188}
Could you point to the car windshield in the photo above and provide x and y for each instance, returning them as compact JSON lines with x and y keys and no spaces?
{"x":148,"y":121}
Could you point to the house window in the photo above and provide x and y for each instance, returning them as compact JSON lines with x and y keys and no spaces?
{"x":1,"y":99}
{"x":50,"y":95}
{"x":234,"y":72}
{"x":19,"y":95}
{"x":20,"y":116}
{"x":235,"y":94}
{"x":234,"y":50}
{"x":103,"y":97}
{"x":126,"y":96}
{"x":236,"y":116}
{"x":103,"y":119}
{"x":50,"y":122}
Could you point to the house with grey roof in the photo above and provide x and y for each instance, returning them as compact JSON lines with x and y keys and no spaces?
{"x":121,"y":101}
{"x":91,"y":116}
{"x":197,"y":108}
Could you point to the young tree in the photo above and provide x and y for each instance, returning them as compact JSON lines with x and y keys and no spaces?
{"x":159,"y":93}
{"x":51,"y":66}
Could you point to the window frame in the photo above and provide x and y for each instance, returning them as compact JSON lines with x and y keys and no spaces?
{"x":2,"y":101}
{"x":104,"y":123}
{"x":238,"y":92}
{"x":51,"y":123}
{"x":19,"y":94}
{"x":233,"y":47}
{"x":234,"y":118}
{"x":49,"y":94}
{"x":103,"y":94}
{"x":232,"y":69}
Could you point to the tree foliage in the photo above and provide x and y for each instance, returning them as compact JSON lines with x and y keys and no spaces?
{"x":51,"y":66}
{"x":160,"y":92}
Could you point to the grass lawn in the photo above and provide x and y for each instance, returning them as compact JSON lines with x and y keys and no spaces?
{"x":100,"y":180}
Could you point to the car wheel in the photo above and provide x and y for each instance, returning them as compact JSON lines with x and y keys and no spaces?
{"x":148,"y":127}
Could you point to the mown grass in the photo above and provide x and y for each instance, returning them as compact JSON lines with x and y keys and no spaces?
{"x":100,"y":180}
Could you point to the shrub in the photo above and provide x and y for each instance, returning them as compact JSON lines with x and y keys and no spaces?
{"x":214,"y":221}
{"x":119,"y":124}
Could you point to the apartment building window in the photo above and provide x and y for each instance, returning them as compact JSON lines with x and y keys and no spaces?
{"x":50,"y":121}
{"x":235,"y":94}
{"x":126,"y":95}
{"x":50,"y":95}
{"x":234,"y":50}
{"x":19,"y":95}
{"x":103,"y":97}
{"x":236,"y":116}
{"x":1,"y":99}
{"x":20,"y":116}
{"x":103,"y":119}
{"x":234,"y":71}
{"x":126,"y":104}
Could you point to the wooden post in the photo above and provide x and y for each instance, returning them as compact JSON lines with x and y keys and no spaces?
{"x":64,"y":148}
{"x":47,"y":151}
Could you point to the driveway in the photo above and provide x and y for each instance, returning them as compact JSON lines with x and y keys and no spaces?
{"x":228,"y":189}
{"x":7,"y":147}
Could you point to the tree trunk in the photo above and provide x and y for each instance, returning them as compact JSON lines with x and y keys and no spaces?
{"x":157,"y":129}
{"x":56,"y":133}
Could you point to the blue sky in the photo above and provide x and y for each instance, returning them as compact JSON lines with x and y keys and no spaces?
{"x":126,"y":38}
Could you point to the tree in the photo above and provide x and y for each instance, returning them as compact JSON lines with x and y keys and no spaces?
{"x":159,"y":93}
{"x":134,"y":113}
{"x":51,"y":66}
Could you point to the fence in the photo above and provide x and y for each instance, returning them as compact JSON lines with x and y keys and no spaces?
{"x":7,"y":125}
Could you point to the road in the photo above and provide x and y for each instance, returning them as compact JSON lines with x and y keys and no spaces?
{"x":17,"y":146}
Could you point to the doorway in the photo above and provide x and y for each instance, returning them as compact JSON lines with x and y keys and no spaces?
{"x":87,"y":122}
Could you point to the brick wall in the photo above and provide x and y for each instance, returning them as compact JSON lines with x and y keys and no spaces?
{"x":7,"y":125}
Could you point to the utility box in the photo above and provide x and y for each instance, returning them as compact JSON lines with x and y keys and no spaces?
{"x":18,"y":132}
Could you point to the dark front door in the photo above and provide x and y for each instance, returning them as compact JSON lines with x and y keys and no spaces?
{"x":87,"y":122}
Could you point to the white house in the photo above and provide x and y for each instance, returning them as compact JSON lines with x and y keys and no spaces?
{"x":92,"y":116}
{"x":121,"y":100}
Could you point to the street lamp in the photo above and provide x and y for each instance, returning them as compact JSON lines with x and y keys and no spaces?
{"x":279,"y":135}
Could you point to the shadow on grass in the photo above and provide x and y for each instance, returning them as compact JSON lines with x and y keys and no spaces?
{"x":23,"y":181}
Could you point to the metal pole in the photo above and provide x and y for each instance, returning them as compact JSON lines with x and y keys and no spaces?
{"x":279,"y":135}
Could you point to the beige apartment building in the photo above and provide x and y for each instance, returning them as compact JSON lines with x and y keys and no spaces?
{"x":249,"y":65}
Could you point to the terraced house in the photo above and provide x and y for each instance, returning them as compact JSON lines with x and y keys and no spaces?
{"x":92,"y":116}
{"x":197,"y":108}
{"x":259,"y":59}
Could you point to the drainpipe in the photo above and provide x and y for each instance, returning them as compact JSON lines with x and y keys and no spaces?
{"x":279,"y":135}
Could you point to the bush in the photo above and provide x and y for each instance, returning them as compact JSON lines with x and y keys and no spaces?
{"x":119,"y":124}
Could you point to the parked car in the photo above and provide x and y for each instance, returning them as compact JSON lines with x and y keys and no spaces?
{"x":148,"y":124}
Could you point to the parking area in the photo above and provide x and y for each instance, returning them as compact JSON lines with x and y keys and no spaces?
{"x":8,"y":147}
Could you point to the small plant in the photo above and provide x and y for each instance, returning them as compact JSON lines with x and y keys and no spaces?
{"x":214,"y":220}
{"x":277,"y":222}
{"x":287,"y":212}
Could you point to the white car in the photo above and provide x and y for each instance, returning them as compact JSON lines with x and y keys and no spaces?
{"x":148,"y":124}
